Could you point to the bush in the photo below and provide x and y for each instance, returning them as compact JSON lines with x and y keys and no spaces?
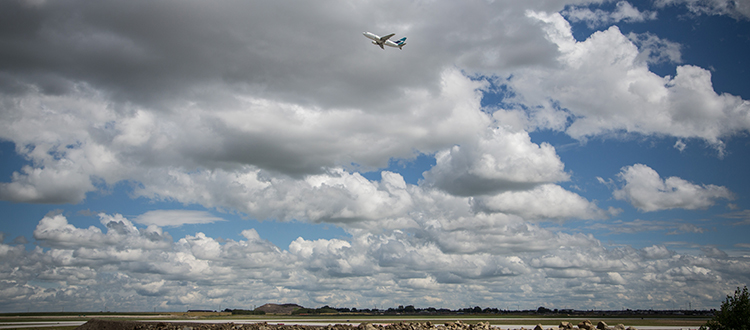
{"x":734,"y":313}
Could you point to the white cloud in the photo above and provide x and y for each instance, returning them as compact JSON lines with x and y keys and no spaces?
{"x":63,"y":183}
{"x":548,"y":201}
{"x":493,"y":256}
{"x":608,"y":89}
{"x":680,"y":145}
{"x":500,"y":161}
{"x":336,"y":196}
{"x":647,"y":191}
{"x":734,"y":8}
{"x":654,"y":50}
{"x":255,"y":115}
{"x":223,"y":130}
{"x":175,"y":218}
{"x":624,"y":11}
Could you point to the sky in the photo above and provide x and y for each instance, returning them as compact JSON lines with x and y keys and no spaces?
{"x":173,"y":155}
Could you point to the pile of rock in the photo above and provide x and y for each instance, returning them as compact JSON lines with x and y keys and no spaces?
{"x":96,"y":324}
{"x":587,"y":325}
{"x":458,"y":325}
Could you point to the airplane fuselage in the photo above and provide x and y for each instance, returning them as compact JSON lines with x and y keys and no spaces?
{"x":384,"y":41}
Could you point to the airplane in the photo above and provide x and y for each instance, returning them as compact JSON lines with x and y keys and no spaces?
{"x":380,"y":41}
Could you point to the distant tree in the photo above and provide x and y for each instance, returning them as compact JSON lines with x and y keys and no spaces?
{"x":543,"y":310}
{"x":734,"y":313}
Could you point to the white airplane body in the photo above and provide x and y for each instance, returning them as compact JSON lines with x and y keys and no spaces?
{"x":385,"y":40}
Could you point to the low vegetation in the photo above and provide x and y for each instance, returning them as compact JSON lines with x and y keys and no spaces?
{"x":734,"y":313}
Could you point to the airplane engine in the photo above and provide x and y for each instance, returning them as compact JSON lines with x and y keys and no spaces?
{"x":374,"y":42}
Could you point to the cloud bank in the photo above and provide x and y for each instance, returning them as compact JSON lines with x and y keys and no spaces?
{"x":274,"y":111}
{"x":438,"y":263}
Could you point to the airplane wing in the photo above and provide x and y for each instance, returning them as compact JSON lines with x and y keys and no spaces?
{"x":386,"y":37}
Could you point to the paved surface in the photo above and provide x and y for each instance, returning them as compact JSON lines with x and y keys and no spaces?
{"x":40,"y":324}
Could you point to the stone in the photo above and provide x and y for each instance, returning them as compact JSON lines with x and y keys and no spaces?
{"x":538,"y":327}
{"x":601,"y":325}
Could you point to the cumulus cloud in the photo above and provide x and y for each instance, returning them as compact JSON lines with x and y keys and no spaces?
{"x":239,"y":106}
{"x":609,"y":89}
{"x":500,"y":161}
{"x":63,"y":183}
{"x":512,"y":259}
{"x":175,"y":218}
{"x":337,"y":196}
{"x":547,"y":201}
{"x":202,"y":104}
{"x":647,"y":191}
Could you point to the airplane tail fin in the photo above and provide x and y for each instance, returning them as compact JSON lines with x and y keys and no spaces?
{"x":401,"y":43}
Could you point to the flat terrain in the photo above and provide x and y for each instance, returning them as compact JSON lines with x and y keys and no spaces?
{"x":215,"y":320}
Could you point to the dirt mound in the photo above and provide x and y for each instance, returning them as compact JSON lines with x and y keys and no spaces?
{"x":279,"y":309}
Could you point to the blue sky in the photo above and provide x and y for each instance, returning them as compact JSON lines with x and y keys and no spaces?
{"x":565,"y":154}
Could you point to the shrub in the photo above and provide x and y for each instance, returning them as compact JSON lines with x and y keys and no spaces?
{"x":734,"y":313}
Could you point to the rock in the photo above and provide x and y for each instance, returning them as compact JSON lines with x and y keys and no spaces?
{"x":565,"y":325}
{"x":620,"y":327}
{"x":632,"y":328}
{"x":585,"y":325}
{"x":538,"y":327}
{"x":482,"y":326}
{"x":601,"y":325}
